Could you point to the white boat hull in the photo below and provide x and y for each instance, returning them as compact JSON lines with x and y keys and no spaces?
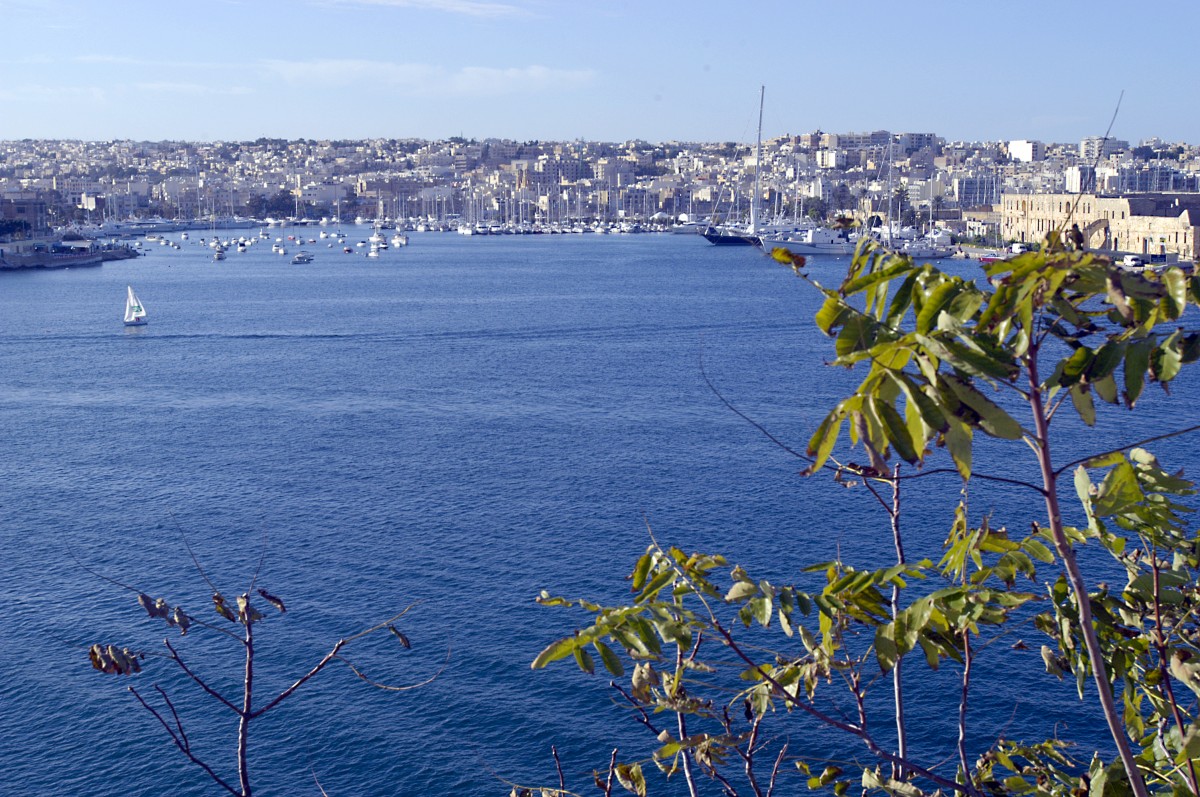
{"x":835,"y":248}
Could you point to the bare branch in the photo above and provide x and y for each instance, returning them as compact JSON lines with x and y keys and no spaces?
{"x":182,"y":748}
{"x":178,"y":724}
{"x":384,"y":624}
{"x":643,"y":718}
{"x":1126,"y":447}
{"x":775,"y":769}
{"x":878,"y":497}
{"x":243,"y":735}
{"x":747,"y":418}
{"x":682,"y":727}
{"x":748,"y":756}
{"x":985,"y":477}
{"x":191,"y":553}
{"x":897,"y":666}
{"x":317,"y":781}
{"x":1112,"y":716}
{"x":175,"y":657}
{"x":562,"y":783}
{"x":1160,"y":644}
{"x":330,"y":656}
{"x":962,"y":708}
{"x":261,"y":558}
{"x":390,"y":688}
{"x":100,"y":576}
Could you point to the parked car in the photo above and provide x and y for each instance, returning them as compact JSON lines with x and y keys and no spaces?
{"x":1133,"y":261}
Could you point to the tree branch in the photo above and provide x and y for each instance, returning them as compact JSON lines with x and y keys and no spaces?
{"x":1075,"y":577}
{"x":775,"y":769}
{"x":390,"y":687}
{"x":182,"y":748}
{"x":962,"y":707}
{"x":303,"y":679}
{"x":681,"y":727}
{"x":1160,"y":644}
{"x":1126,"y":447}
{"x":243,"y":734}
{"x":897,"y":669}
{"x":175,"y":657}
{"x":849,"y":728}
{"x":562,"y":784}
{"x":644,"y":718}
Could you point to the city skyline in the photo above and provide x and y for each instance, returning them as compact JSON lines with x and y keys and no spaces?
{"x":549,"y":70}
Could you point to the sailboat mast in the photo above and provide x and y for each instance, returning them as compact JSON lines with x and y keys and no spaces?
{"x":762,"y":90}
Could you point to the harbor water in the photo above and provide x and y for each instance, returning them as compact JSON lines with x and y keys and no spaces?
{"x":453,"y":426}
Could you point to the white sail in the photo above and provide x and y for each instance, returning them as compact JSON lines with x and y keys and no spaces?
{"x":135,"y":313}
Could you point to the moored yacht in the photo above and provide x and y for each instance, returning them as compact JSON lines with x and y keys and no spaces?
{"x":811,"y":241}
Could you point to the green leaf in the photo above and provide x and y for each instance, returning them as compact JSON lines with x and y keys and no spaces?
{"x":993,"y":420}
{"x":937,"y":300}
{"x":655,"y":585}
{"x":958,"y":442}
{"x":1038,"y":551}
{"x":886,"y":652}
{"x":762,"y":610}
{"x":884,"y":274}
{"x":611,"y":661}
{"x":897,"y":432}
{"x":831,"y":313}
{"x":931,"y":653}
{"x":740,"y":591}
{"x":555,"y":651}
{"x":1106,"y":360}
{"x":927,"y":407}
{"x":901,"y":301}
{"x":858,"y":334}
{"x":1105,"y":460}
{"x":1075,"y":366}
{"x":1081,"y":397}
{"x":966,"y":359}
{"x":1137,"y":360}
{"x":1106,"y":388}
{"x":1189,"y":347}
{"x":584,"y":660}
{"x":1119,"y":491}
{"x":640,"y":571}
{"x":1175,"y":300}
{"x":1166,"y":360}
{"x":821,"y":444}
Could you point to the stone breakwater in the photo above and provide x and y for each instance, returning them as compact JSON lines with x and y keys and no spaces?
{"x":12,"y":261}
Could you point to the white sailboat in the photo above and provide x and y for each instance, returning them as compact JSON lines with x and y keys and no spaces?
{"x":135,"y":313}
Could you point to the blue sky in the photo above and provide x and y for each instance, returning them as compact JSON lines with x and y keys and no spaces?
{"x":594,"y":69}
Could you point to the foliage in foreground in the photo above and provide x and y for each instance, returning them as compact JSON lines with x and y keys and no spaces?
{"x":714,"y":665}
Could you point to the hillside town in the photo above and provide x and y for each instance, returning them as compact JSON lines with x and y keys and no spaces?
{"x":1142,"y":198}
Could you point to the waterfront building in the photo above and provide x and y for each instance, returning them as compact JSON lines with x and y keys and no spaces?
{"x":1157,"y":225}
{"x":32,"y":212}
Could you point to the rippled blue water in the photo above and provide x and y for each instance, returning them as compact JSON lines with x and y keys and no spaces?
{"x":461,"y":423}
